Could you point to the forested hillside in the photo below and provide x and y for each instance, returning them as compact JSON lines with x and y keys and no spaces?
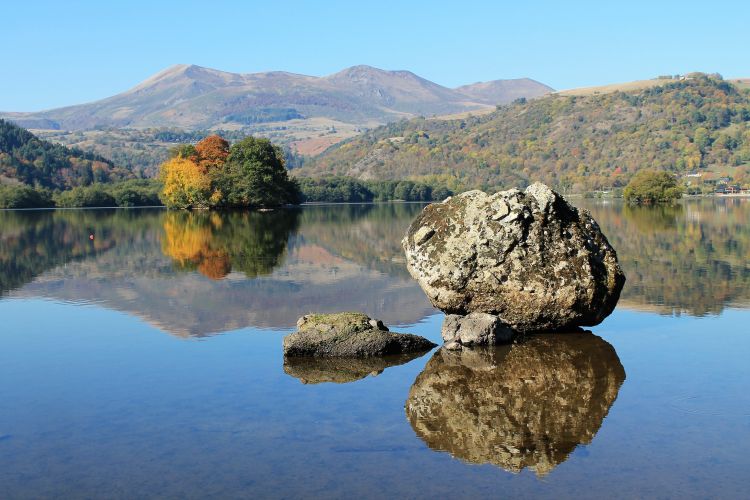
{"x":27,"y":159}
{"x":698,"y":124}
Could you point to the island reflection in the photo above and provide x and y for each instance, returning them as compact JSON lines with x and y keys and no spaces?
{"x":525,"y":405}
{"x":216,"y":243}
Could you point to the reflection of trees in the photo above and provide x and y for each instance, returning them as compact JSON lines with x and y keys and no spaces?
{"x":33,"y":242}
{"x":650,"y":218}
{"x":369,"y":235}
{"x":688,"y":258}
{"x":518,"y":406}
{"x":215,"y":243}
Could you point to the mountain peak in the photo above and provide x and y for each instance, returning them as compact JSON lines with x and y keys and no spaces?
{"x":191,"y":96}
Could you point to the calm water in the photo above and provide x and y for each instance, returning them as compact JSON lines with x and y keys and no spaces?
{"x":147,"y":363}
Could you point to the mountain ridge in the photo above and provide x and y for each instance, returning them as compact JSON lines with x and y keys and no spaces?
{"x":195,"y":97}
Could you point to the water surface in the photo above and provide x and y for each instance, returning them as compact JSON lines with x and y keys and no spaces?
{"x":147,"y":362}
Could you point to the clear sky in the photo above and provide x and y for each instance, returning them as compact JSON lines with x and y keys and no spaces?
{"x":57,"y":53}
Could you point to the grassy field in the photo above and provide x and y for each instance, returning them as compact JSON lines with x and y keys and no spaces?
{"x":622,"y":87}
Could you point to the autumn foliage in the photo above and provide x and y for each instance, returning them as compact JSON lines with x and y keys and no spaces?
{"x":186,"y":185}
{"x":215,"y":244}
{"x":211,"y":174}
{"x":212,"y":152}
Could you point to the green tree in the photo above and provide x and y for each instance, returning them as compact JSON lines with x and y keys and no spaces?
{"x":648,"y":186}
{"x":255,"y":175}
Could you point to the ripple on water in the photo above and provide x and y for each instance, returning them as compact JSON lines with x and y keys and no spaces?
{"x":714,"y":405}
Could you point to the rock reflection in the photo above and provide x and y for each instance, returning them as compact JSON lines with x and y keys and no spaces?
{"x":317,"y":370}
{"x":526,"y":405}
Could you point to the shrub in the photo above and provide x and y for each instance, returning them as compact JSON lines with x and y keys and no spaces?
{"x":95,"y":195}
{"x":22,"y":196}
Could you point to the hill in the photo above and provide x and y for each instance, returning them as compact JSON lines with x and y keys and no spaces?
{"x":24,"y":158}
{"x":573,"y":142}
{"x":310,"y":113}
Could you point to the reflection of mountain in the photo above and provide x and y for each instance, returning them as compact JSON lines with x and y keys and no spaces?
{"x":316,"y":370}
{"x":367,"y":234}
{"x":197,"y":273}
{"x":518,"y":406}
{"x":264,"y":269}
{"x":692,"y":258}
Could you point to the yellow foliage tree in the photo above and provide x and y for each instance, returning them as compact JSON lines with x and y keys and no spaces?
{"x":186,"y":185}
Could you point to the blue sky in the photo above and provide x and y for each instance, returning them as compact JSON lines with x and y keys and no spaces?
{"x":61,"y":53}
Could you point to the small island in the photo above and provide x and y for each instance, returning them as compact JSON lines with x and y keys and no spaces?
{"x":649,"y":186}
{"x":213,"y":175}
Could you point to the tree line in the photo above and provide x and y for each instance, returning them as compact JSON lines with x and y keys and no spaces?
{"x":341,"y":189}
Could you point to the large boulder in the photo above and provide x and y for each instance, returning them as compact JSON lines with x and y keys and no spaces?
{"x":525,"y":405}
{"x":528,"y":257}
{"x":349,"y":334}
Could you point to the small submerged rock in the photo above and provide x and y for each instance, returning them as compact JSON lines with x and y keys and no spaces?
{"x":349,"y":334}
{"x":527,"y":257}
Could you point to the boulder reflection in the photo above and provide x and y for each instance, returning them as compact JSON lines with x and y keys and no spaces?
{"x":526,"y":405}
{"x":317,"y":370}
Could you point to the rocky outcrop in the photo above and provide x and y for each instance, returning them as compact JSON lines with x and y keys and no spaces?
{"x":318,"y":370}
{"x":516,"y":406}
{"x":475,"y":329}
{"x":351,"y":335}
{"x":528,"y":257}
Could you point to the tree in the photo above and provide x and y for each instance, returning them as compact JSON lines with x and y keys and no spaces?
{"x":648,"y":186}
{"x":254,"y":175}
{"x":212,"y":152}
{"x":95,"y":195}
{"x":186,"y":185}
{"x":22,"y":196}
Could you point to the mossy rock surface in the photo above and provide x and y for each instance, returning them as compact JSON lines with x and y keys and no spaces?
{"x":349,"y":334}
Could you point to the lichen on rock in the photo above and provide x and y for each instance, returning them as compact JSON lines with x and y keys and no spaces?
{"x":527,"y":257}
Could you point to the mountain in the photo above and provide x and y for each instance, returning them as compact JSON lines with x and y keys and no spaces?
{"x":193,"y":97}
{"x":505,"y":91}
{"x":698,"y":125}
{"x":25,"y":158}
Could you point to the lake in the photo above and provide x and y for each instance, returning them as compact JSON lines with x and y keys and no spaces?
{"x":140,"y":356}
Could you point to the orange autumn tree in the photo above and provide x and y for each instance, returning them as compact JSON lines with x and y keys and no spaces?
{"x":187,"y":175}
{"x":212,"y":152}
